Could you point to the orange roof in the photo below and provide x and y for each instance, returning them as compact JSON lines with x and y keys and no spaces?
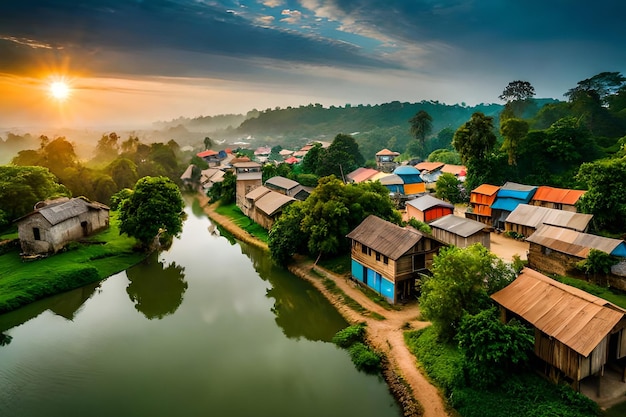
{"x":209,"y":152}
{"x":454,"y":169}
{"x":387,"y":152}
{"x":557,"y":195}
{"x":486,"y":189}
{"x":429,"y":166}
{"x":364,"y":175}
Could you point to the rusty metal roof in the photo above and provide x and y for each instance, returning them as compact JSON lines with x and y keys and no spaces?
{"x":572,"y":242}
{"x":486,"y":189}
{"x":574,"y":317}
{"x":385,"y":237}
{"x":535,"y":216}
{"x":557,"y":195}
{"x":271,"y":202}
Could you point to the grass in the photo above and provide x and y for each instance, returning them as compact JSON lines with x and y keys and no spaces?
{"x":339,"y":265}
{"x":82,"y":263}
{"x":615,"y":296}
{"x":350,"y":302}
{"x":236,"y":215}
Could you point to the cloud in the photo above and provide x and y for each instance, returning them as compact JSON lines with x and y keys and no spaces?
{"x":293,"y":16}
{"x":273,"y":3}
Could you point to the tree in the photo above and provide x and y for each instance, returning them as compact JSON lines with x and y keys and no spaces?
{"x":421,"y":126}
{"x":513,"y":130}
{"x":461,"y":282}
{"x":124,"y":172}
{"x":208,"y":143}
{"x":285,"y":237}
{"x":341,"y":157}
{"x":597,"y":262}
{"x":517,"y":91}
{"x":22,"y":187}
{"x":599,"y":87}
{"x":224,"y":191}
{"x":154,"y":209}
{"x":606,"y":193}
{"x":450,"y":188}
{"x":107,"y":147}
{"x":475,"y":138}
{"x":312,"y":159}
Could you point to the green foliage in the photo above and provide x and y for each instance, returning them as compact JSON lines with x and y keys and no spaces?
{"x":364,"y":358}
{"x":597,"y":262}
{"x":446,"y":156}
{"x":153,"y":209}
{"x":475,"y":138}
{"x":513,"y":130}
{"x":307,"y":180}
{"x":461,"y":282}
{"x":244,"y":222}
{"x":492,"y":349}
{"x":199,"y":162}
{"x":419,"y":225}
{"x":606,"y":193}
{"x":450,"y":188}
{"x":286,"y":237}
{"x":421,"y":126}
{"x":340,"y":158}
{"x":224,"y":191}
{"x":350,"y":335}
{"x":21,"y":187}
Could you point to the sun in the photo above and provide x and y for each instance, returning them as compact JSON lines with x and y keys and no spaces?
{"x":60,"y":90}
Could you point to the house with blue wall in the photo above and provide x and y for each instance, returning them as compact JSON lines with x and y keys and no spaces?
{"x":389,"y":258}
{"x":508,"y":197}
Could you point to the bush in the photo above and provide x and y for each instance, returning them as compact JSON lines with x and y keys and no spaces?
{"x":365,"y":358}
{"x":350,"y":335}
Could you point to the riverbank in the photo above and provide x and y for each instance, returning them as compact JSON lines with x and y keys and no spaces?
{"x":386,"y":335}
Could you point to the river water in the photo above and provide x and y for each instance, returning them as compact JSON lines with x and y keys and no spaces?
{"x":209,"y":327}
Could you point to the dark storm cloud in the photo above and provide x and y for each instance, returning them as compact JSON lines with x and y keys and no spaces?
{"x":151,"y":28}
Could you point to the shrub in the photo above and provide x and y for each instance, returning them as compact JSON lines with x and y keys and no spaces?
{"x":350,"y":335}
{"x":364,"y":358}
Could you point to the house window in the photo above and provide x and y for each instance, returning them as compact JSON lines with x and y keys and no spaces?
{"x":377,"y":256}
{"x":36,"y":233}
{"x":364,"y":249}
{"x":547,"y":251}
{"x":385,"y":260}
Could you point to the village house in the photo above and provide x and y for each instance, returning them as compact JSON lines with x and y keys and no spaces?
{"x":389,"y":258}
{"x":557,"y":250}
{"x":428,"y":208}
{"x":54,"y":224}
{"x":508,"y":197}
{"x":481,"y":199}
{"x":525,"y":219}
{"x":385,"y":160}
{"x":459,"y":231}
{"x":288,"y":187}
{"x":268,"y":207}
{"x":411,"y":179}
{"x":251,"y":198}
{"x":249,"y":177}
{"x":557,"y":198}
{"x":210,"y":177}
{"x":361,"y":175}
{"x":576,"y":334}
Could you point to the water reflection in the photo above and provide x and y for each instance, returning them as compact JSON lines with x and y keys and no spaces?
{"x":66,"y":305}
{"x":155,"y":289}
{"x":300,"y":310}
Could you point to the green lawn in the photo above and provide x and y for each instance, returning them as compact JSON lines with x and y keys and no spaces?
{"x":244,"y":222}
{"x":24,"y":282}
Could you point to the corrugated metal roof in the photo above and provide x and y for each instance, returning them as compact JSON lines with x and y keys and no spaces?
{"x":486,"y":189}
{"x":426,"y":202}
{"x":208,"y":152}
{"x":362,"y":174}
{"x":458,"y":225}
{"x":271,"y":202}
{"x":558,"y":195}
{"x":513,"y":186}
{"x":506,"y":204}
{"x":534,"y":216}
{"x":257,"y":193}
{"x":453,"y":169}
{"x":282,"y":182}
{"x":574,"y":243}
{"x":385,"y":237}
{"x":572,"y":316}
{"x":56,"y":213}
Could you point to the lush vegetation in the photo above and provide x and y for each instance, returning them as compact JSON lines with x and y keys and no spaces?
{"x":81,"y":263}
{"x":353,"y":339}
{"x":241,"y":220}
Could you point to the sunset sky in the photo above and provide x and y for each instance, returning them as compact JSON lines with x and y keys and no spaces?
{"x":134,"y":62}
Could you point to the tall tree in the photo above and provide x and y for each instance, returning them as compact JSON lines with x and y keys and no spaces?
{"x":208,"y":142}
{"x":421,"y":126}
{"x":107,"y":148}
{"x":154,"y":209}
{"x":517,"y":95}
{"x":341,"y":157}
{"x":513,"y":130}
{"x":601,"y":86}
{"x":475,"y":138}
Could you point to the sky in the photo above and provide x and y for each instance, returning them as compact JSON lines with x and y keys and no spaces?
{"x":134,"y":62}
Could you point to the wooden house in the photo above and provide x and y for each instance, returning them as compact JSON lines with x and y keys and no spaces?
{"x":287,"y":187}
{"x":385,"y":160}
{"x":389,"y":258}
{"x":268,"y":207}
{"x":481,"y":199}
{"x":557,"y":250}
{"x":211,"y":176}
{"x":557,"y":198}
{"x":54,"y":224}
{"x":411,"y":179}
{"x":508,"y":197}
{"x":525,"y":219}
{"x":249,"y":177}
{"x":211,"y":157}
{"x":460,"y":231}
{"x":428,"y":208}
{"x":251,"y":198}
{"x":576,"y":333}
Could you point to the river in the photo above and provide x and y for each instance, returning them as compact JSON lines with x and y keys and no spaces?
{"x":209,"y":327}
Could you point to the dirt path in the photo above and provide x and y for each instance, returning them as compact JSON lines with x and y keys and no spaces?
{"x":385,"y":335}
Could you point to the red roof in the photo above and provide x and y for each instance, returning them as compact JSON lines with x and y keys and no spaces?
{"x":364,"y":175}
{"x":557,"y":195}
{"x":486,"y":189}
{"x":387,"y":152}
{"x":291,"y":160}
{"x":429,"y":166}
{"x":206,"y":153}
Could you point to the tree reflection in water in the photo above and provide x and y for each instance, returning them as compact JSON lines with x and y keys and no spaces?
{"x":155,"y":289}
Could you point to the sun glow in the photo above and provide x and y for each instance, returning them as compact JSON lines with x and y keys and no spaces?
{"x":60,"y":90}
